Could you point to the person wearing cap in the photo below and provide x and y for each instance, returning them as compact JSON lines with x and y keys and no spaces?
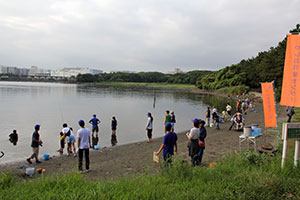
{"x":193,"y":145}
{"x":36,"y":142}
{"x":84,"y":143}
{"x":149,"y":127}
{"x":95,"y":128}
{"x":173,"y":120}
{"x":202,"y":137}
{"x":169,"y":145}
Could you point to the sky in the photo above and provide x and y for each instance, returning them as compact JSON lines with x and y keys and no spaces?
{"x":141,"y":35}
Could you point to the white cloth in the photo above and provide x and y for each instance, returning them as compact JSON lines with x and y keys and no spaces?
{"x":194,"y":133}
{"x":149,"y":123}
{"x":66,"y":130}
{"x":228,"y":108}
{"x":84,"y":135}
{"x":214,"y":110}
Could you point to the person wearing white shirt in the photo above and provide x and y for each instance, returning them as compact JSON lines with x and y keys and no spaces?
{"x":84,"y":143}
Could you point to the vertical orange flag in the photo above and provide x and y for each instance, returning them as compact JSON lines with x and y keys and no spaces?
{"x":290,"y":94}
{"x":269,"y":104}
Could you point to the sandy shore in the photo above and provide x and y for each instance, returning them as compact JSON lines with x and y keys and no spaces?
{"x":131,"y":159}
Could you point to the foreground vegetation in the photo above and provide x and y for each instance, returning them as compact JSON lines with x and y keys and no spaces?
{"x":245,"y":176}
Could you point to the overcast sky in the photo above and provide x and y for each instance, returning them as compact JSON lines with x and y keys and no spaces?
{"x":141,"y":35}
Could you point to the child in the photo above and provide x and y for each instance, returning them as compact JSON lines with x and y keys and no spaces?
{"x":62,"y":143}
{"x":114,"y":124}
{"x":216,"y":119}
{"x":169,"y":142}
{"x":13,"y":137}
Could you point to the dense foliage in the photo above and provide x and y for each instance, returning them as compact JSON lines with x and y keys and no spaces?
{"x":146,"y":77}
{"x":267,"y":66}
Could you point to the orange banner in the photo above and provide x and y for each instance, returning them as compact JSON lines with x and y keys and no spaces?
{"x":269,"y":104}
{"x":290,"y":94}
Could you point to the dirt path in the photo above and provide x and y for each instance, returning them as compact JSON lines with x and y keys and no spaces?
{"x":131,"y":159}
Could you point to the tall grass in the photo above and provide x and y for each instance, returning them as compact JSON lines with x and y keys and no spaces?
{"x":245,"y":176}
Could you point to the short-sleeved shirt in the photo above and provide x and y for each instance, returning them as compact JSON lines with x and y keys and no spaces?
{"x":169,"y":142}
{"x":84,"y":135}
{"x":168,"y":118}
{"x":35,"y":135}
{"x":113,"y":124}
{"x":149,"y":123}
{"x":173,"y":119}
{"x":228,"y":108}
{"x":94,"y":122}
{"x":194,"y":133}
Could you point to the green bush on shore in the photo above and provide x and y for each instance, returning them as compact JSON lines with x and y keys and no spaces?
{"x":240,"y":89}
{"x":245,"y":176}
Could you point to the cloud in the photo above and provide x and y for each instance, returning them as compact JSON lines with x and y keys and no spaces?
{"x":141,"y":35}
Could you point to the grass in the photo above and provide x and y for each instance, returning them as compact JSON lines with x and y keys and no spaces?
{"x":167,"y":85}
{"x":245,"y":176}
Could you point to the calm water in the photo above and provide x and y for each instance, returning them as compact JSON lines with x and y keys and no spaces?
{"x":24,"y":104}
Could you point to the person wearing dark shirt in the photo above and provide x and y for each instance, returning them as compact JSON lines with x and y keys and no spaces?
{"x":201,"y":141}
{"x":95,"y":128}
{"x":114,"y":124}
{"x":207,"y":116}
{"x":13,"y":137}
{"x":173,"y":121}
{"x":36,"y":142}
{"x":169,"y":145}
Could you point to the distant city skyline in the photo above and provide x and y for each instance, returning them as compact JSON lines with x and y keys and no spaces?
{"x":133,"y":35}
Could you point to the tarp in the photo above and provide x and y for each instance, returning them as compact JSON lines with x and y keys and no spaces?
{"x":269,"y":104}
{"x":290,"y":94}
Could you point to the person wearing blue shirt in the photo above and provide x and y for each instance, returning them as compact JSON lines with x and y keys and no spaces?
{"x":95,"y":121}
{"x":169,"y":145}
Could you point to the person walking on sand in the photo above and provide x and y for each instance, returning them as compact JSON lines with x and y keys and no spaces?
{"x":95,"y":128}
{"x":167,"y":118}
{"x":149,"y":127}
{"x":173,"y":120}
{"x":114,"y":124}
{"x":35,"y":143}
{"x":84,"y":143}
{"x":169,"y":145}
{"x":207,"y":116}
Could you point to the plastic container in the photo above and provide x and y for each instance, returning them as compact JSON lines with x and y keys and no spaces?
{"x":254,"y":126}
{"x":247,"y":131}
{"x":96,"y":147}
{"x":30,"y":171}
{"x":46,"y":156}
{"x":256,"y":132}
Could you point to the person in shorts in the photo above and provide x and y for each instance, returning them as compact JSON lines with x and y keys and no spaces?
{"x":68,"y":132}
{"x":36,"y":142}
{"x":95,"y":128}
{"x":149,"y":127}
{"x":114,"y":125}
{"x":173,"y":120}
{"x":167,"y":118}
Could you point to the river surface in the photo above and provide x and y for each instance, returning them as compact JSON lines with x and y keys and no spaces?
{"x":24,"y":104}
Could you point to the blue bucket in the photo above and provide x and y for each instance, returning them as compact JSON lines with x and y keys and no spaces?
{"x":46,"y":156}
{"x":96,"y":147}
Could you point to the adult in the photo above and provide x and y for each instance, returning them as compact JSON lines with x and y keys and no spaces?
{"x":216,"y":120}
{"x":228,"y":109}
{"x":202,"y":137}
{"x":173,"y":121}
{"x":70,"y":139}
{"x":114,"y":124}
{"x":149,"y":126}
{"x":167,"y":119}
{"x":193,"y":145}
{"x":207,"y":116}
{"x":35,"y":143}
{"x":84,"y":143}
{"x":239,"y":121}
{"x":290,"y":112}
{"x":95,"y":128}
{"x":169,"y":145}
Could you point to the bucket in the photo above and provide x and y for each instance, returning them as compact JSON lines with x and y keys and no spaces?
{"x":96,"y":147}
{"x":46,"y":156}
{"x":254,"y":126}
{"x":29,"y":171}
{"x":247,"y":131}
{"x":256,"y":132}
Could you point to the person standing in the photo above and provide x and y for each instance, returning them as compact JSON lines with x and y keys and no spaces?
{"x":35,"y":143}
{"x":290,"y":112}
{"x":216,"y":120}
{"x":95,"y":128}
{"x":207,"y":116}
{"x":193,"y":145}
{"x":201,"y":141}
{"x":169,"y":145}
{"x":228,"y":109}
{"x":167,"y":119}
{"x":84,"y":143}
{"x":173,"y":120}
{"x":114,"y":124}
{"x":149,"y":127}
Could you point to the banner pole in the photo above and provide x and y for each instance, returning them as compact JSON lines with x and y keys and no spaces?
{"x":296,"y":153}
{"x":278,"y":134}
